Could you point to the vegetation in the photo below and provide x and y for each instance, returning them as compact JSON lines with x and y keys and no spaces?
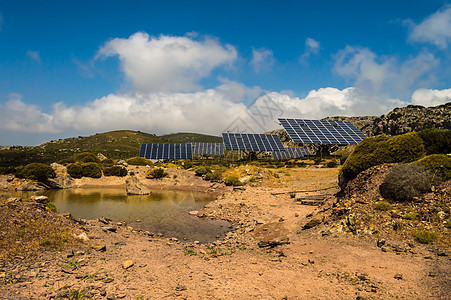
{"x":436,"y":141}
{"x":139,"y":161}
{"x":86,"y":157}
{"x":37,"y":171}
{"x":92,"y":170}
{"x":156,"y":173}
{"x":383,"y":206}
{"x":413,"y":215}
{"x":202,"y":171}
{"x":381,"y":149}
{"x":438,"y":164}
{"x":406,"y":181}
{"x":107,"y":162}
{"x":115,"y":171}
{"x":232,"y":181}
{"x":75,"y":171}
{"x":425,"y":236}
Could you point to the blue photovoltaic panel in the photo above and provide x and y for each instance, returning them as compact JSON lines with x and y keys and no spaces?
{"x":208,"y":148}
{"x":322,"y":131}
{"x":290,"y":153}
{"x":166,"y":151}
{"x":252,"y":142}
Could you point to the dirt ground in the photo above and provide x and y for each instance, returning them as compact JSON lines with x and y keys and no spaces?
{"x":267,"y":256}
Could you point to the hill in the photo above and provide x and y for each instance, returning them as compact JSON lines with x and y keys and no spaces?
{"x":120,"y":144}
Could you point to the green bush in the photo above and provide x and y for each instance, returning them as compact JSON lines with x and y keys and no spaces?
{"x":92,"y":170}
{"x":66,"y":161}
{"x":230,"y":180}
{"x":237,"y":183}
{"x":116,"y":171}
{"x":425,"y":236}
{"x":202,"y":171}
{"x":37,"y":171}
{"x":378,"y":150}
{"x":413,"y":215}
{"x":208,"y":176}
{"x":438,"y":164}
{"x":406,"y":181}
{"x":107,"y":162}
{"x":50,"y":206}
{"x":383,"y":205}
{"x":436,"y":141}
{"x":156,"y":173}
{"x":139,"y":161}
{"x":86,"y":157}
{"x":75,"y":170}
{"x":7,"y":170}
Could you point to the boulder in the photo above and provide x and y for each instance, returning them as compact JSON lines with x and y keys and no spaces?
{"x":135,"y":187}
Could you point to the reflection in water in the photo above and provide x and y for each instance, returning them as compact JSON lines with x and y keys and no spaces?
{"x":161,"y":212}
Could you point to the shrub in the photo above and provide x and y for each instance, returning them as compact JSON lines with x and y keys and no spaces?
{"x":237,"y":183}
{"x":139,"y":161}
{"x":156,"y":173}
{"x":208,"y":176}
{"x":116,"y":171}
{"x":86,"y":157}
{"x":252,"y":179}
{"x":230,"y":180}
{"x":425,"y":236}
{"x":50,"y":206}
{"x":413,"y":215}
{"x":75,"y":170}
{"x":438,"y":164}
{"x":37,"y":171}
{"x":92,"y":170}
{"x":202,"y":171}
{"x":381,"y":149}
{"x":7,"y":170}
{"x":383,"y":205}
{"x":436,"y":141}
{"x":406,"y":181}
{"x":66,"y":161}
{"x":107,"y":162}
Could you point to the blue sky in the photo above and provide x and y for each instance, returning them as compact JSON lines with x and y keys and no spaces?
{"x":80,"y":67}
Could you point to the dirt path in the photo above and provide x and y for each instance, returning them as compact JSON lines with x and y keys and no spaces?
{"x":268,"y":256}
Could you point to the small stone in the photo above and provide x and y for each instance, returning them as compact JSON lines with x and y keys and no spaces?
{"x":193,"y":213}
{"x":180,"y":287}
{"x":108,"y":280}
{"x":109,"y":228}
{"x":127,"y":264}
{"x":121,"y":296}
{"x":296,"y":215}
{"x":432,"y":274}
{"x":82,"y":236}
{"x":99,"y":246}
{"x":398,"y":276}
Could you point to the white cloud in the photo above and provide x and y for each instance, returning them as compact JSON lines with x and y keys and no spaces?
{"x":167,"y":63}
{"x":209,"y":111}
{"x":428,"y":97}
{"x":435,"y":29}
{"x":34,"y":55}
{"x":311,"y":47}
{"x":262,"y":60}
{"x":364,"y":69}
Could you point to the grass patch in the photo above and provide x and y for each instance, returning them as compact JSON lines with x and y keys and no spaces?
{"x":413,"y":215}
{"x":383,"y":206}
{"x":425,"y":236}
{"x":189,"y":251}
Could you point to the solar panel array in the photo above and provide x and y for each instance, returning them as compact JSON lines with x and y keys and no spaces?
{"x":166,"y":151}
{"x":252,"y":142}
{"x":290,"y":153}
{"x":208,"y":148}
{"x":322,"y":131}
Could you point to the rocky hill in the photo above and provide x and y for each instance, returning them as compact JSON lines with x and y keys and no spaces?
{"x":120,"y":144}
{"x":403,"y":120}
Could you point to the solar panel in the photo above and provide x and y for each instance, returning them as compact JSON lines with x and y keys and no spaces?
{"x":252,"y":142}
{"x":290,"y":153}
{"x":166,"y":151}
{"x":208,"y":148}
{"x":322,"y":131}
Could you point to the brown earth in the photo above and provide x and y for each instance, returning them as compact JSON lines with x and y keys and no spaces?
{"x":267,"y":256}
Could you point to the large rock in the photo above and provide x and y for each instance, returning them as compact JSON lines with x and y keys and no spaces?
{"x":135,"y":187}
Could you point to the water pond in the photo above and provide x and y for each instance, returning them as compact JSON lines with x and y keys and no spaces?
{"x":163,"y":212}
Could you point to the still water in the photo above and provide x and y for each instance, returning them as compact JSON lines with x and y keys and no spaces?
{"x":163,"y":212}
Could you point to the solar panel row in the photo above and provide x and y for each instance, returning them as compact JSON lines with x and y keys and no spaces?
{"x":208,"y":148}
{"x":252,"y":142}
{"x":322,"y":131}
{"x":290,"y":153}
{"x":166,"y":151}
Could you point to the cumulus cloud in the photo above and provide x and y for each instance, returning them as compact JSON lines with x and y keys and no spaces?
{"x":428,"y":97}
{"x":366,"y":70}
{"x":262,"y":60}
{"x":34,"y":55}
{"x":167,"y":63}
{"x":435,"y":29}
{"x":311,"y":47}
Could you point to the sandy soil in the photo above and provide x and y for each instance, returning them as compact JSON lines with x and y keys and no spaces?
{"x":267,"y":256}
